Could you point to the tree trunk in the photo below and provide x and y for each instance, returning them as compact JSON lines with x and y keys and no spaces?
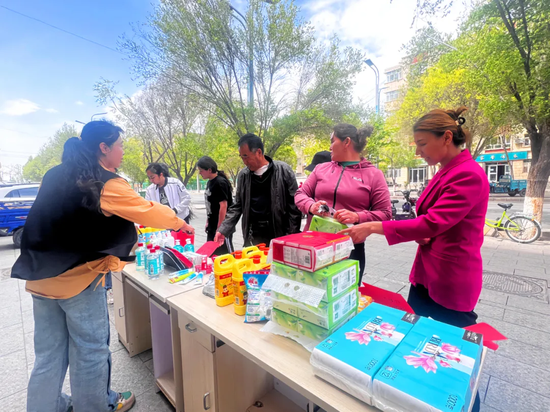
{"x":537,"y":179}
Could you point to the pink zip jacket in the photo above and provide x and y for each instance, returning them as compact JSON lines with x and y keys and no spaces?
{"x":451,"y":212}
{"x":360,"y":188}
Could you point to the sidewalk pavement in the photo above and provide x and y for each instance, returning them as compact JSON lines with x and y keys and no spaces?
{"x":516,"y":378}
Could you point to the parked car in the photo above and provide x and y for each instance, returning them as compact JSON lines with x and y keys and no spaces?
{"x":15,"y":203}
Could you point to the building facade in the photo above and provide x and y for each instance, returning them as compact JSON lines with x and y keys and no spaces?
{"x":514,"y":161}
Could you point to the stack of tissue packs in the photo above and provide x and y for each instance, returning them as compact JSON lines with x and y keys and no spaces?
{"x":433,"y":369}
{"x":326,"y":225}
{"x":351,"y":356}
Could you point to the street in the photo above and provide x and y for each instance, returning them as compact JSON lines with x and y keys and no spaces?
{"x":514,"y":300}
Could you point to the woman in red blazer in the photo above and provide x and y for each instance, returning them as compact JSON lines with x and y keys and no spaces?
{"x":446,"y":276}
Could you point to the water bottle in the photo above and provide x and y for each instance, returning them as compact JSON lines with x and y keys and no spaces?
{"x":140,"y":257}
{"x":188,"y":246}
{"x":178,"y":246}
{"x":161,"y":259}
{"x":153,"y":264}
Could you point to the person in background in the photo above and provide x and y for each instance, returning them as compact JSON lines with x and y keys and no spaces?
{"x":264,"y":198}
{"x":318,"y":158}
{"x":446,"y":276}
{"x":353,"y":189}
{"x":80,"y":227}
{"x":168,"y":191}
{"x":218,"y":197}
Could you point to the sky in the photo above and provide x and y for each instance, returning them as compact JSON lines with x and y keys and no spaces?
{"x":47,"y":76}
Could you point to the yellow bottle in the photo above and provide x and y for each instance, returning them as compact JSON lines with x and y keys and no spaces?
{"x":223,"y":271}
{"x":239,"y":287}
{"x":250,"y":250}
{"x":262,"y":257}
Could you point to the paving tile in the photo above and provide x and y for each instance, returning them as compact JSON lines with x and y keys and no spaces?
{"x":147,"y":355}
{"x":483,"y":384}
{"x":505,"y":396}
{"x":529,"y":304}
{"x":152,"y":401}
{"x":398,"y":276}
{"x":535,"y":321}
{"x":486,"y":408}
{"x":130,"y":374}
{"x":13,"y":378}
{"x":16,"y":402}
{"x":11,"y":339}
{"x":150,"y":366}
{"x":520,"y":333}
{"x":115,"y":344}
{"x":491,"y":311}
{"x":493,"y":296}
{"x":525,"y":353}
{"x":28,"y":321}
{"x":388,"y":284}
{"x":518,"y":373}
{"x":10,"y":315}
{"x":29,"y":347}
{"x":25,"y":299}
{"x":531,"y":272}
{"x":499,"y":268}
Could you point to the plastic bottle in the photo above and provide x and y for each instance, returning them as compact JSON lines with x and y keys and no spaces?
{"x":141,"y":235}
{"x":140,"y":257}
{"x":239,"y":288}
{"x":178,"y":246}
{"x":170,"y":241}
{"x":188,"y":246}
{"x":248,"y":251}
{"x":153,"y":264}
{"x":147,"y":256}
{"x":223,"y":272}
{"x":160,"y":257}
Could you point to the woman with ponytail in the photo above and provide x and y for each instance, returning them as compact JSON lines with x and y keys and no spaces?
{"x":446,"y":277}
{"x":350,"y":186}
{"x":218,"y":197}
{"x":80,"y":228}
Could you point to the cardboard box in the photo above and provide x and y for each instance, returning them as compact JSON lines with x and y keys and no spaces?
{"x":335,"y":279}
{"x":311,"y":251}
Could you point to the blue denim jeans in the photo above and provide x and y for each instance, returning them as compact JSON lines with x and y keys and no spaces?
{"x":72,"y":332}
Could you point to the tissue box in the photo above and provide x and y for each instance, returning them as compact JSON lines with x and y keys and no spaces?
{"x":335,"y":279}
{"x":326,"y":225}
{"x":350,"y":357}
{"x":326,"y":315}
{"x":433,"y":369}
{"x":311,"y":251}
{"x":303,"y":327}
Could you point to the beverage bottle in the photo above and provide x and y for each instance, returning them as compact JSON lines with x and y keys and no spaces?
{"x":153,"y":264}
{"x":161,"y":259}
{"x":140,"y":257}
{"x":170,"y":241}
{"x":188,"y":246}
{"x":141,"y":235}
{"x":178,"y":246}
{"x":148,"y":252}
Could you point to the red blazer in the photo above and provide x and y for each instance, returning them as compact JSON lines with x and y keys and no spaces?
{"x":451,"y":211}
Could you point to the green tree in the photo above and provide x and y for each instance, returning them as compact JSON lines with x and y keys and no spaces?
{"x":134,"y":162}
{"x":507,"y":42}
{"x":292,"y":73}
{"x":49,"y":154}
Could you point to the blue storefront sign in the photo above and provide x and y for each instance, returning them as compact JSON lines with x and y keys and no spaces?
{"x":500,"y":157}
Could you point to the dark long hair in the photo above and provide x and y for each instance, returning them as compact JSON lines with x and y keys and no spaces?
{"x":82,"y":155}
{"x":207,"y":162}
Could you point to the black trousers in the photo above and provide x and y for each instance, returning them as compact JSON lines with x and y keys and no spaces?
{"x":359,"y":254}
{"x":423,"y":305}
{"x":259,"y":231}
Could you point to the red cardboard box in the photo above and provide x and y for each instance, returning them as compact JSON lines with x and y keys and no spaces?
{"x":311,"y":251}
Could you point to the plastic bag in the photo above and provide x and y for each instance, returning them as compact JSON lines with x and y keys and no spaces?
{"x":209,"y":288}
{"x":258,"y":302}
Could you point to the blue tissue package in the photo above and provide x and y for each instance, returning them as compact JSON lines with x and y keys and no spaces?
{"x":434,"y":368}
{"x":351,"y":356}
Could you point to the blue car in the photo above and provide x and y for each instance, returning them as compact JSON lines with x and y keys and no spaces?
{"x":15,"y":204}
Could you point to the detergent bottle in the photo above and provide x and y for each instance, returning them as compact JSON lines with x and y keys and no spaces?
{"x":223,"y":272}
{"x":248,"y":251}
{"x":260,"y":260}
{"x":239,"y":287}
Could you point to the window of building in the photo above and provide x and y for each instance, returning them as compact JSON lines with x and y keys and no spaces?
{"x":526,"y":165}
{"x":391,"y":96}
{"x":393,"y":76}
{"x":417,"y":175}
{"x":495,"y":143}
{"x":393,"y":173}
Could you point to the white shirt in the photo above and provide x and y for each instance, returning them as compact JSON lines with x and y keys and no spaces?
{"x":261,"y":170}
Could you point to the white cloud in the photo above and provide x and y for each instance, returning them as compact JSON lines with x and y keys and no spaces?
{"x":51,"y":110}
{"x":19,"y":107}
{"x":79,"y":103}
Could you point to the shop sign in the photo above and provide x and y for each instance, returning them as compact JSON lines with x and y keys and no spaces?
{"x":500,"y":157}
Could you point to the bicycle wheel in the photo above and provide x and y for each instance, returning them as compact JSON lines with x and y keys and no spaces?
{"x":523,"y":229}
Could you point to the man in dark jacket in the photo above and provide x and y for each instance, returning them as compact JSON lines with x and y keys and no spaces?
{"x":264,"y":199}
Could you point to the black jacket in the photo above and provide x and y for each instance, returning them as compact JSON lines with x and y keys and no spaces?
{"x":286,"y":217}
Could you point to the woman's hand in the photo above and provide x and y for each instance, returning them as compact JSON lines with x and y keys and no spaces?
{"x":314,"y":208}
{"x":358,"y":233}
{"x":424,"y":242}
{"x":345,"y":217}
{"x":187,"y":229}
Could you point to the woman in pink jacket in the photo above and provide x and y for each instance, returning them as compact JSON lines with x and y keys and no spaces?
{"x":351,"y":186}
{"x":446,"y":276}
